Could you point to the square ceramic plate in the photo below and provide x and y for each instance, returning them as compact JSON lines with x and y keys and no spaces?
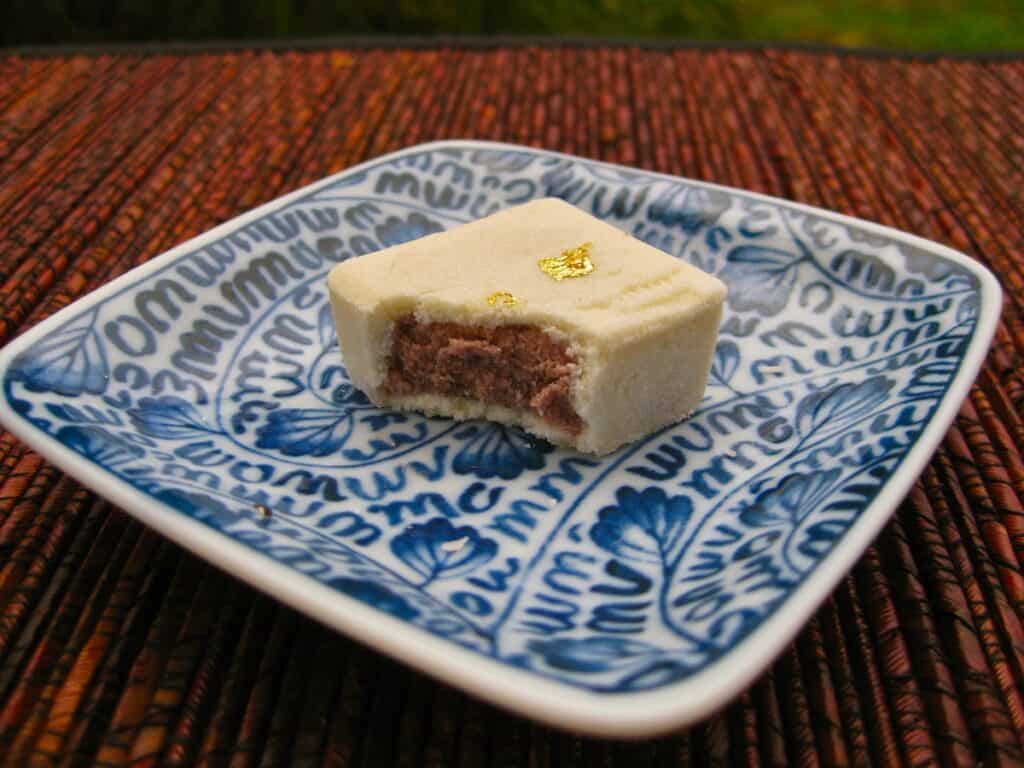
{"x":205,"y":394}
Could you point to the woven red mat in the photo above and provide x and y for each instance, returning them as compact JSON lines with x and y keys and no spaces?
{"x":117,"y":647}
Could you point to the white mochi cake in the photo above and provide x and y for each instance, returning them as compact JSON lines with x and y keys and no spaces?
{"x":540,"y":316}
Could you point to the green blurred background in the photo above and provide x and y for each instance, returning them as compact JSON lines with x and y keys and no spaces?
{"x":954,"y":25}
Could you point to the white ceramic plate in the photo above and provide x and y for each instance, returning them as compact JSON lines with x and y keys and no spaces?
{"x":204,"y":393}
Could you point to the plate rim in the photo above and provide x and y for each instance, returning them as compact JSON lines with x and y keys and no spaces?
{"x":607,"y":714}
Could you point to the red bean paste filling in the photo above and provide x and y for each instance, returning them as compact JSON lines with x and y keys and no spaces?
{"x":517,"y":366}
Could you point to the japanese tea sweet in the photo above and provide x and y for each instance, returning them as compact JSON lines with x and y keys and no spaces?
{"x":540,"y":316}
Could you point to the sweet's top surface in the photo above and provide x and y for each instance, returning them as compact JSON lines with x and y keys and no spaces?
{"x":544,"y":262}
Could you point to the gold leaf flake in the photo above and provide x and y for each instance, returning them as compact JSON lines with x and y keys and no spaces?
{"x":504,"y":298}
{"x":572,"y":262}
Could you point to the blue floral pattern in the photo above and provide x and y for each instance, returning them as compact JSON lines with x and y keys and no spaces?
{"x":167,"y":417}
{"x":493,"y":450}
{"x":439,"y":550}
{"x":790,"y":501}
{"x":643,"y":525}
{"x":70,"y":362}
{"x":99,"y":445}
{"x":214,"y":386}
{"x":761,"y":278}
{"x":306,"y":431}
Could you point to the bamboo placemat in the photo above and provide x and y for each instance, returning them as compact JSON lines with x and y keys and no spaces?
{"x":116,"y":647}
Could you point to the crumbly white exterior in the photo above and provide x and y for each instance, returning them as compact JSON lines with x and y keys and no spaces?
{"x":642,"y":326}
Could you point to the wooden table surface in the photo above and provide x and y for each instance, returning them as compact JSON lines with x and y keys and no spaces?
{"x":117,"y":647}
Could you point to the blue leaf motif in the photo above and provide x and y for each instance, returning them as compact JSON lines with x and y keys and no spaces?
{"x":395,"y":231}
{"x":438,"y":550}
{"x":492,"y":450}
{"x":791,"y":500}
{"x":644,"y":525}
{"x":168,"y":417}
{"x":689,"y":208}
{"x":306,"y":431}
{"x":759,"y":278}
{"x":69,"y":361}
{"x":377,"y":596}
{"x":841,"y":403}
{"x":102,"y":447}
{"x":725,"y":361}
{"x":589,"y":654}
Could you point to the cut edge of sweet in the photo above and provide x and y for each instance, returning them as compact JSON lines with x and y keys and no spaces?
{"x":516,"y":368}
